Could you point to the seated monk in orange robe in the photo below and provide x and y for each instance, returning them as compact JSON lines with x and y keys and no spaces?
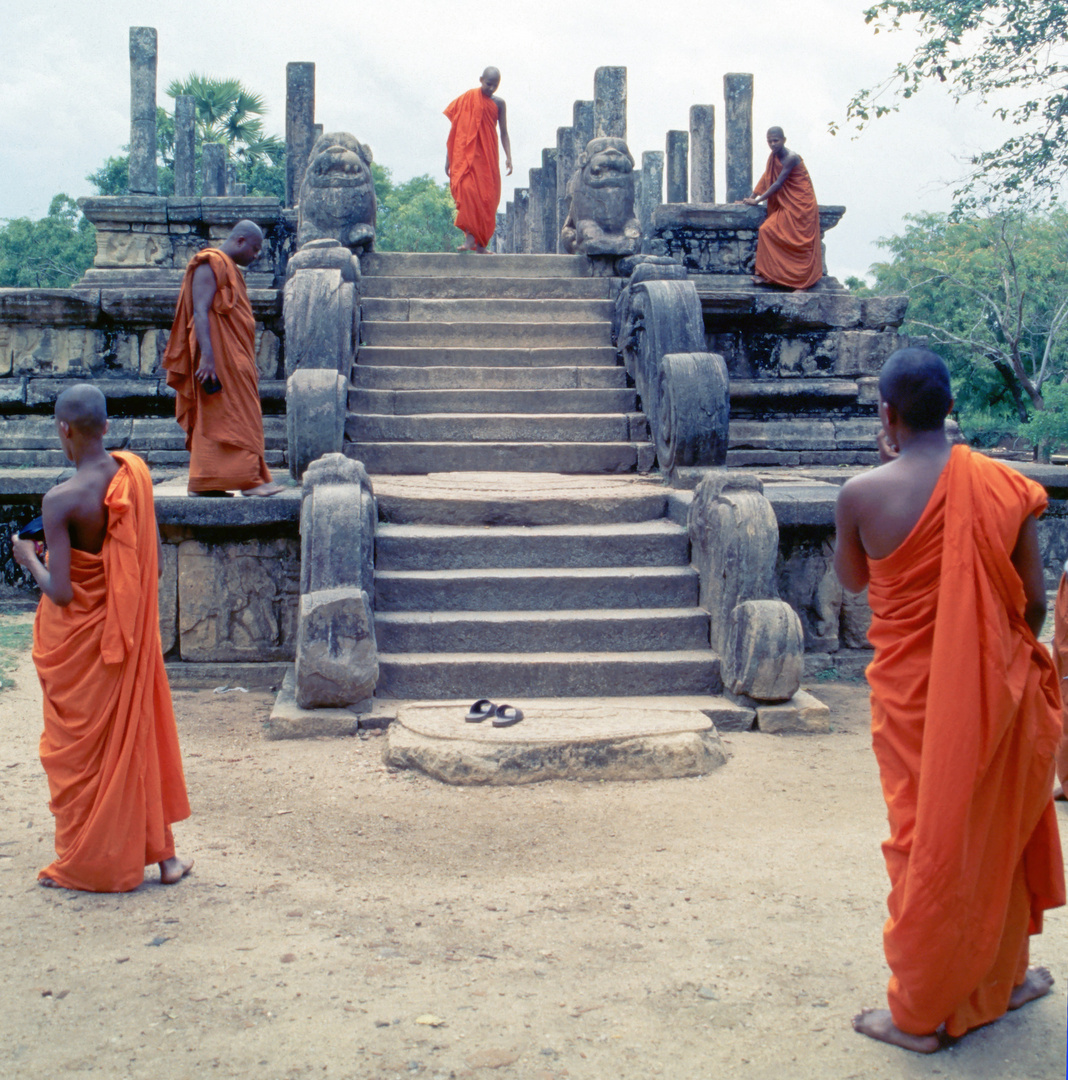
{"x":1060,"y":660}
{"x":471,"y":159}
{"x":788,"y":245}
{"x":210,"y":362}
{"x":110,"y":746}
{"x":966,"y":713}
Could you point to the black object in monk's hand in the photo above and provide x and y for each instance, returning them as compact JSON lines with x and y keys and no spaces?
{"x":212,"y":385}
{"x":33,"y":531}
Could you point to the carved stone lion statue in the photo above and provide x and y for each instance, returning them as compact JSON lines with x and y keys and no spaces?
{"x":337,"y":195}
{"x":601,"y":218}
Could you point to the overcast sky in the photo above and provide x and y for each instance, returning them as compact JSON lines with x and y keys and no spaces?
{"x":385,"y":71}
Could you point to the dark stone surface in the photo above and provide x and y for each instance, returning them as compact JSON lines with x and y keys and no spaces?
{"x":602,"y":218}
{"x":185,"y":174}
{"x":300,"y":124}
{"x":610,"y":103}
{"x":652,"y":191}
{"x":143,"y":110}
{"x":521,"y":203}
{"x":694,"y":411}
{"x":535,"y":215}
{"x":337,"y":194}
{"x":676,"y":167}
{"x":738,"y":98}
{"x":213,"y":170}
{"x":549,"y":203}
{"x":583,"y":123}
{"x":566,"y":157}
{"x":702,"y":154}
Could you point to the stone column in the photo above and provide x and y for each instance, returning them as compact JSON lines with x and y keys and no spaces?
{"x":509,"y":228}
{"x":565,"y":166}
{"x":522,"y":234}
{"x":498,"y":235}
{"x":678,"y":153}
{"x":652,"y":190}
{"x":702,"y":154}
{"x":213,"y":170}
{"x":610,"y":102}
{"x":185,"y":169}
{"x":738,"y":94}
{"x":142,"y":110}
{"x":549,"y":208}
{"x":300,"y":125}
{"x":535,"y":219}
{"x":582,"y":122}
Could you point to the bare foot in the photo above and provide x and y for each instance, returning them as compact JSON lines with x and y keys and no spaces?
{"x":1059,"y":795}
{"x":172,"y":870}
{"x":209,"y":494}
{"x":48,"y":883}
{"x":878,"y":1024}
{"x":264,"y":490}
{"x":758,"y":280}
{"x":1037,"y":983}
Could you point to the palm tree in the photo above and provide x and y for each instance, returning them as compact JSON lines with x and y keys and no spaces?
{"x":230,"y":113}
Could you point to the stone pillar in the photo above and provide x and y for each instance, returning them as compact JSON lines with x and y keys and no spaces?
{"x":498,"y":235}
{"x":185,"y":169}
{"x":678,"y":153}
{"x":535,"y":219}
{"x":522,"y":235}
{"x":213,"y":170}
{"x":610,"y":102}
{"x":652,"y":190}
{"x":702,"y":154}
{"x":582,"y":122}
{"x":565,"y":166}
{"x":142,"y":110}
{"x":738,"y":94}
{"x":549,"y":231}
{"x":509,"y":228}
{"x":300,"y":125}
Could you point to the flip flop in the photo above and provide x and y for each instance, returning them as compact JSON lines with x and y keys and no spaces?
{"x":480,"y":710}
{"x":507,"y":715}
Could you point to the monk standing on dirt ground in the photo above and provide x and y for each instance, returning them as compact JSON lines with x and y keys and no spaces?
{"x":471,"y":160}
{"x":211,"y":364}
{"x":788,"y":243}
{"x":966,"y":713}
{"x":110,"y":745}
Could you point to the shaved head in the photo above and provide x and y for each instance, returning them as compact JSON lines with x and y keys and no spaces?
{"x":83,"y":408}
{"x":492,"y":74}
{"x":777,"y":131}
{"x":916,"y":383}
{"x":246,"y":230}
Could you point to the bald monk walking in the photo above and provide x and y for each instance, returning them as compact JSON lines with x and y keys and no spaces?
{"x":110,"y":746}
{"x":788,"y":243}
{"x":471,"y":159}
{"x":210,"y":363}
{"x":965,"y":713}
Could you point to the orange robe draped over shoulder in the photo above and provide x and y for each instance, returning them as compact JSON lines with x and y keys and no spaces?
{"x":474,"y":164}
{"x":788,"y":247}
{"x":223,"y":431}
{"x":110,"y":745}
{"x":965,"y":722}
{"x":1060,"y":660}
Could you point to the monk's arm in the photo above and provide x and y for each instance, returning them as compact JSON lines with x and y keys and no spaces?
{"x":203,"y":293}
{"x":1027,"y":559}
{"x":850,"y":561}
{"x":502,"y":120}
{"x":53,"y":579}
{"x":762,"y":196}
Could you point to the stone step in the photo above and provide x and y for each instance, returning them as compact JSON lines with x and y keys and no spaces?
{"x":464,"y":357}
{"x":178,"y":459}
{"x":408,"y":377}
{"x":507,"y":676}
{"x":497,"y":427}
{"x":500,"y":335}
{"x":619,"y":630}
{"x":414,"y":458}
{"x":139,"y":433}
{"x":415,"y":402}
{"x":453,"y":265}
{"x":444,"y":547}
{"x":531,"y":589}
{"x":486,"y":310}
{"x":462,"y":287}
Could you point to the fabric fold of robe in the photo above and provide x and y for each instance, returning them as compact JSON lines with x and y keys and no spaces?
{"x":965,"y":721}
{"x":110,"y":744}
{"x":474,"y":165}
{"x":788,"y":246}
{"x":1060,"y":660}
{"x":223,"y":431}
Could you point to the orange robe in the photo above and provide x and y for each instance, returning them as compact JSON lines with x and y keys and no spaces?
{"x":965,"y":722}
{"x":223,"y":431}
{"x":474,"y":164}
{"x":788,"y":247}
{"x":1060,"y":660}
{"x":110,"y":745}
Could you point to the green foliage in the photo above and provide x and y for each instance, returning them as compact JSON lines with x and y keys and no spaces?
{"x":53,"y":252}
{"x":981,"y":49}
{"x":414,"y":216}
{"x":16,"y":638}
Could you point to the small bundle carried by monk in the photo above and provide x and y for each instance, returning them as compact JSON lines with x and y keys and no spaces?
{"x":110,"y":745}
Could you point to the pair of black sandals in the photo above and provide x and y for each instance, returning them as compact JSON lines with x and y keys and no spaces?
{"x":503,"y":715}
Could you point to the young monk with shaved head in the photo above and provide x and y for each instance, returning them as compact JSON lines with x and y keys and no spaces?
{"x":965,"y":713}
{"x":110,"y":746}
{"x":471,"y":159}
{"x":211,"y":363}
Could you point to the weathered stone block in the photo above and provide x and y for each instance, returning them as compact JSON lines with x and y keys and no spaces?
{"x":132,"y":249}
{"x":808,"y":583}
{"x":316,"y":404}
{"x":764,"y":655}
{"x":45,"y":350}
{"x":320,"y":314}
{"x":863,"y":352}
{"x":857,"y":434}
{"x":150,"y":353}
{"x":337,"y":658}
{"x":168,"y":598}
{"x":882,"y":312}
{"x":854,"y":620}
{"x":268,"y":353}
{"x":803,"y":713}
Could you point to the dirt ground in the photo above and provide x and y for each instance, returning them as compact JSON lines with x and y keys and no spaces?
{"x":348,"y":921}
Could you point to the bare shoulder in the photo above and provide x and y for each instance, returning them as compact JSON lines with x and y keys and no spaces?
{"x":499,"y":102}
{"x":866,"y":487}
{"x":792,"y":158}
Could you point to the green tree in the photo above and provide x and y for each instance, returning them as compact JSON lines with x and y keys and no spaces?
{"x":53,"y":252}
{"x":981,"y":49}
{"x":416,"y":215}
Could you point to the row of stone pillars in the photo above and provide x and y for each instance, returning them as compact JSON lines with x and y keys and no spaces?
{"x":533,"y":218}
{"x":216,"y":175}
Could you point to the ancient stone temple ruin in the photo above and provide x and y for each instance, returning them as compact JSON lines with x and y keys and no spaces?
{"x":600,"y":463}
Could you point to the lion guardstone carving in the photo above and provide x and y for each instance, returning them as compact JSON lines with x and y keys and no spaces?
{"x":337,"y":195}
{"x":601,"y":219}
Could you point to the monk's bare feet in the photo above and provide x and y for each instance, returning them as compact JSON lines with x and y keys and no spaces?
{"x":210,"y":494}
{"x":48,"y":883}
{"x":172,"y":870}
{"x":1059,"y":795}
{"x":1037,"y":983}
{"x":878,"y":1024}
{"x":264,"y":490}
{"x":758,"y":280}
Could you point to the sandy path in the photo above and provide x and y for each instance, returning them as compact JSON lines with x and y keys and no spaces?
{"x":727,"y":925}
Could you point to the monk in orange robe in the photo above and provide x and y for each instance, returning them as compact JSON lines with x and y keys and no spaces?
{"x":788,"y":244}
{"x":210,"y":363}
{"x":471,"y":161}
{"x":110,"y":746}
{"x":1060,"y":660}
{"x":966,"y":713}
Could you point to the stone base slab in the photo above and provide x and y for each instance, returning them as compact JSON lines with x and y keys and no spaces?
{"x":289,"y":721}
